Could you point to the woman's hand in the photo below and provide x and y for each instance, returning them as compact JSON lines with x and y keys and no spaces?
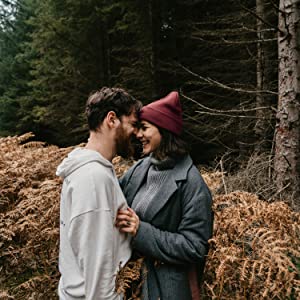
{"x":127,"y":221}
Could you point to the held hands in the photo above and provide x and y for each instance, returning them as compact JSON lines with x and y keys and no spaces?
{"x":127,"y":221}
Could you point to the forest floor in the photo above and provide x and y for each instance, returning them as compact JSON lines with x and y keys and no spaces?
{"x":254,"y":252}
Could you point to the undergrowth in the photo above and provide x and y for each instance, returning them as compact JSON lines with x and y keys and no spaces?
{"x":254,"y":252}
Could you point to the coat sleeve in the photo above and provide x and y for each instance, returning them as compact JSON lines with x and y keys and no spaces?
{"x":91,"y":236}
{"x":189,"y":244}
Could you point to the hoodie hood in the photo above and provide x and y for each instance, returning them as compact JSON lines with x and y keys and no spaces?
{"x":79,"y":157}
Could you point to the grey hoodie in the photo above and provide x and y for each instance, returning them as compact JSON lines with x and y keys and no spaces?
{"x":91,"y":248}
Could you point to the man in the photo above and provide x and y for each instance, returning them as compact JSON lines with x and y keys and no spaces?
{"x":91,"y":248}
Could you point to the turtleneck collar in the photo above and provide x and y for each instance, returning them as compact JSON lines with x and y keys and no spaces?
{"x":164,"y":164}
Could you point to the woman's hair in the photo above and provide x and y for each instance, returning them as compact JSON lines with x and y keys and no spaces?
{"x":171,"y":145}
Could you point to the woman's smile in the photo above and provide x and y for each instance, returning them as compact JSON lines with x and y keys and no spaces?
{"x":149,"y":136}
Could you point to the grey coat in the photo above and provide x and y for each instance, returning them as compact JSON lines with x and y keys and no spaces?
{"x":175,"y":229}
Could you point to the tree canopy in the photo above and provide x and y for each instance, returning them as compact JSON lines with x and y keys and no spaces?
{"x":54,"y":53}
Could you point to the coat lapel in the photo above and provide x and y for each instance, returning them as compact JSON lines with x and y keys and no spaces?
{"x":136,"y":180}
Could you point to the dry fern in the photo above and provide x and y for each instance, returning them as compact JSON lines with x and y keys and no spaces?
{"x":5,"y":296}
{"x":129,"y":279}
{"x":29,"y":208}
{"x":254,"y":252}
{"x":213,"y":180}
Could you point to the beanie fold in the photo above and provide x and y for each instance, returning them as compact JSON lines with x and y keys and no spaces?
{"x":165,"y":113}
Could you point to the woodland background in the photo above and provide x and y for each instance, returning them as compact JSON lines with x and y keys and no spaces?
{"x":236,"y":66}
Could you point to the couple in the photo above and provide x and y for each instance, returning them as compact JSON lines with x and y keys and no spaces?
{"x":165,"y":215}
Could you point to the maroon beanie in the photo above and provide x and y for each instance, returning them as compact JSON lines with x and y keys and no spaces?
{"x":165,"y":113}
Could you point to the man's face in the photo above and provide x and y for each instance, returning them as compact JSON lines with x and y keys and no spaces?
{"x":125,"y":131}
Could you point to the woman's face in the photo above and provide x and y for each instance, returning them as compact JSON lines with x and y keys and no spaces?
{"x":149,"y":136}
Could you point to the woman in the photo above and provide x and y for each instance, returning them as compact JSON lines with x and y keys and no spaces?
{"x":170,"y":217}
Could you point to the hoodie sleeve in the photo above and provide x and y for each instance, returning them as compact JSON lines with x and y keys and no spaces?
{"x":91,"y":235}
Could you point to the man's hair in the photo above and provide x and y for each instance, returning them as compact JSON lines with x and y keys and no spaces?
{"x":171,"y":145}
{"x":109,"y":99}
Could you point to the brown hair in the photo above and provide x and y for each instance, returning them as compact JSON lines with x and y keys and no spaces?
{"x":106,"y":100}
{"x":171,"y":145}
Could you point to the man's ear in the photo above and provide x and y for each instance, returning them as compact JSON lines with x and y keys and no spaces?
{"x":112,"y":119}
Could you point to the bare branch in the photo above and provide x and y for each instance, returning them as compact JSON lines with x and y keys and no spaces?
{"x":223,"y":177}
{"x":234,"y":42}
{"x":276,"y":6}
{"x":278,"y":192}
{"x":227,"y":115}
{"x":261,"y":19}
{"x":228,"y":32}
{"x":225,"y":111}
{"x":223,"y":86}
{"x":249,"y":42}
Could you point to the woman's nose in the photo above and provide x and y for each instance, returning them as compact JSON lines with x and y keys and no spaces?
{"x":138,"y":133}
{"x":135,"y":130}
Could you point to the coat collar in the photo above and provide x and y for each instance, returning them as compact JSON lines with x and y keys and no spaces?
{"x":178,"y":173}
{"x":182,"y":167}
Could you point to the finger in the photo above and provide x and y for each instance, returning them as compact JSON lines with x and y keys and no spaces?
{"x":131,"y":211}
{"x":124,"y":212}
{"x":134,"y":215}
{"x":118,"y":224}
{"x":121,"y":218}
{"x":124,"y":217}
{"x":130,"y":230}
{"x":122,"y":224}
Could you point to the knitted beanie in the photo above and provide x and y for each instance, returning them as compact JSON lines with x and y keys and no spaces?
{"x":165,"y":113}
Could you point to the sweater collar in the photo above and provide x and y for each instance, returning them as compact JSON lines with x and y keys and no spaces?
{"x":180,"y":170}
{"x":164,"y":164}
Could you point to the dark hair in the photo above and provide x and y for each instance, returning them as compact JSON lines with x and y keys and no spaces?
{"x":171,"y":145}
{"x":109,"y":99}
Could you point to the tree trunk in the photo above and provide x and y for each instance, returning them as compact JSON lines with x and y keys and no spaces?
{"x":155,"y":29}
{"x":264,"y":77}
{"x":287,"y":156}
{"x":260,"y":126}
{"x":106,"y":55}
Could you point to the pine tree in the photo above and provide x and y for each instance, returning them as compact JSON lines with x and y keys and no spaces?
{"x":14,"y":65}
{"x":287,"y":154}
{"x":67,"y":43}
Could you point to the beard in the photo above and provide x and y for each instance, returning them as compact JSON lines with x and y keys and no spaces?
{"x":124,"y":145}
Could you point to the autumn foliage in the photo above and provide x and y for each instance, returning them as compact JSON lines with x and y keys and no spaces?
{"x":254,"y":253}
